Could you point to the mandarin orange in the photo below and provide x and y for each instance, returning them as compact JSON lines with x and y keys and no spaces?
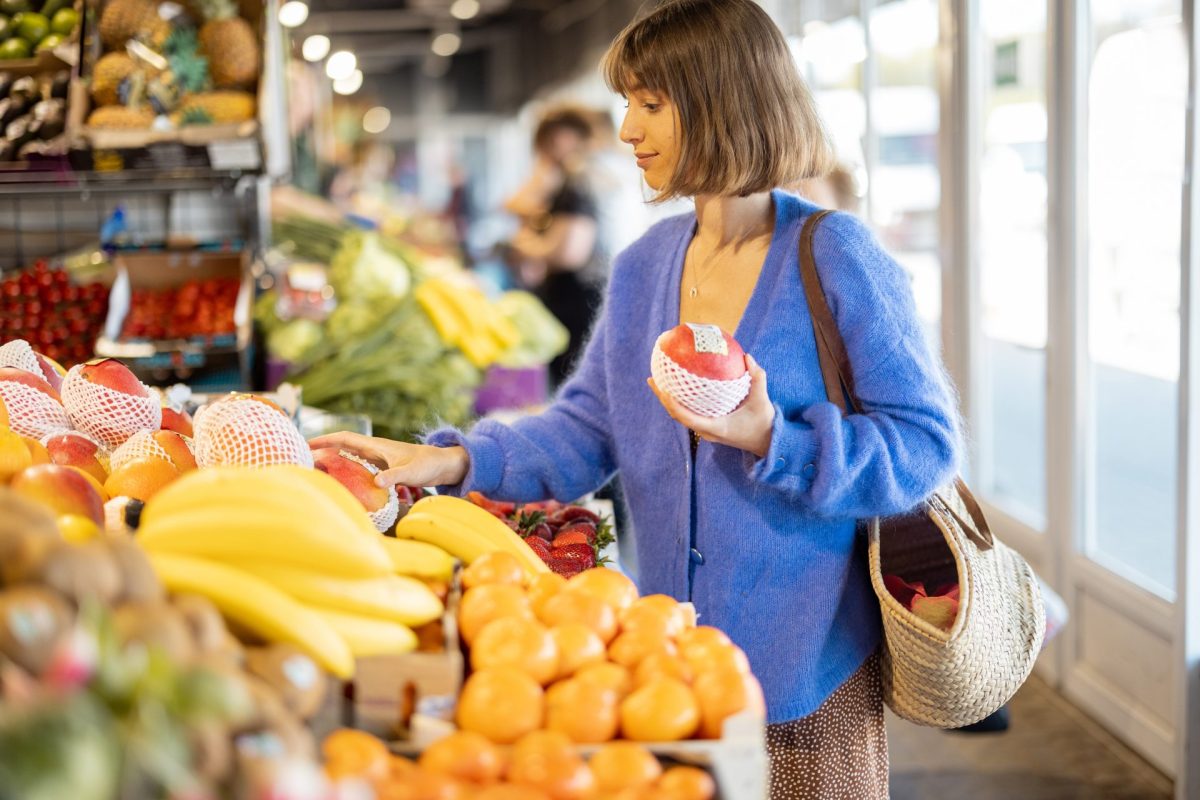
{"x":586,"y":712}
{"x":481,"y":605}
{"x":624,"y":765}
{"x":465,"y":755}
{"x":503,"y":704}
{"x":578,"y":646}
{"x":494,"y":567}
{"x":664,"y":710}
{"x":611,"y":586}
{"x":588,"y":609}
{"x":518,"y":643}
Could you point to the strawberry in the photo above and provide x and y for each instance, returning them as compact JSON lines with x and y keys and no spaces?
{"x":543,"y":531}
{"x":586,"y":528}
{"x":572,"y":558}
{"x":540,"y":547}
{"x":573,"y":536}
{"x":571,"y":513}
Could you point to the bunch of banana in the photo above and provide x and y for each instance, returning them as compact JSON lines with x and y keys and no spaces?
{"x":420,"y":559}
{"x":466,"y":319}
{"x":464,"y":530}
{"x":286,"y":553}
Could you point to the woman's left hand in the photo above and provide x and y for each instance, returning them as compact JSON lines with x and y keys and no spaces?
{"x":748,"y":427}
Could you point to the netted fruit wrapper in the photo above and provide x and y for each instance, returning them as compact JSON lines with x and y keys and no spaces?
{"x":384,"y":517}
{"x":248,"y":432}
{"x":31,"y":412}
{"x":700,"y":395}
{"x":19,"y":354}
{"x":106,"y":414}
{"x":142,"y":445}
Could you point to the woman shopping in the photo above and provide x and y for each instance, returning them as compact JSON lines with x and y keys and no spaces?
{"x":750,"y":516}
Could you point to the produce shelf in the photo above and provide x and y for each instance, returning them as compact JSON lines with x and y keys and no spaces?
{"x":24,"y":183}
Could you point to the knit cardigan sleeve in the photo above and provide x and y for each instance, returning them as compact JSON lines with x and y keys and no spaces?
{"x":907,"y":441}
{"x":564,"y":453}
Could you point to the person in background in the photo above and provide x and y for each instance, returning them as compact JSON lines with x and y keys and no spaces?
{"x":752,"y":516}
{"x":556,"y":251}
{"x":837,"y":190}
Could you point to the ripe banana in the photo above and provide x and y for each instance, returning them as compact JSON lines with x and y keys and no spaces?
{"x":248,"y":534}
{"x":394,"y":597}
{"x":368,"y":636}
{"x":449,"y":325}
{"x":465,"y":531}
{"x":424,"y":560}
{"x":259,"y":607}
{"x":332,"y":490}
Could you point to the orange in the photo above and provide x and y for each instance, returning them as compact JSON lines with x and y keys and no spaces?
{"x":465,"y":755}
{"x":656,"y":612}
{"x":481,"y":605}
{"x":586,"y":712}
{"x":610,"y":675}
{"x":661,"y":665}
{"x":723,"y":692}
{"x":609,"y":585}
{"x":518,"y":643}
{"x":664,"y":710}
{"x":578,"y":646}
{"x":140,"y":478}
{"x":14,"y":455}
{"x":544,"y":585}
{"x":495,"y":567}
{"x":424,"y":786}
{"x":36,"y":451}
{"x":703,"y":634}
{"x":624,"y":765}
{"x":588,"y":609}
{"x":506,"y":791}
{"x":687,"y":783}
{"x":711,"y":655}
{"x":503,"y":704}
{"x":355,"y":754}
{"x":546,"y":760}
{"x":631,"y":648}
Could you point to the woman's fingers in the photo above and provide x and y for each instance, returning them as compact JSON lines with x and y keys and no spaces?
{"x":397,"y":476}
{"x":362,"y":446}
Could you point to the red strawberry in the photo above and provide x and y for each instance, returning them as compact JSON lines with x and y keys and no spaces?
{"x":405,"y":495}
{"x":571,"y":513}
{"x":540,"y":547}
{"x":586,"y":528}
{"x":543,"y":531}
{"x":573,"y":536}
{"x":572,"y":558}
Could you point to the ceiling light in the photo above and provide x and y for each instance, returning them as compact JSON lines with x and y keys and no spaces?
{"x":464,"y":9}
{"x":293,"y":13}
{"x":446,"y":44}
{"x":341,"y":65}
{"x":377,"y":120}
{"x":315,"y":47}
{"x":350,"y":84}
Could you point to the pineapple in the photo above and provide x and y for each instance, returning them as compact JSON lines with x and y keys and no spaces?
{"x":123,"y":20}
{"x":121,"y":117}
{"x":220,"y":106}
{"x":110,"y":71}
{"x":232,"y":48}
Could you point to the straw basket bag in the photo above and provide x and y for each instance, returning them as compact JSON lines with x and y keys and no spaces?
{"x":944,"y":679}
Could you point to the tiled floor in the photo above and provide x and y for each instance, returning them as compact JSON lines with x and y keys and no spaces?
{"x":1052,"y":750}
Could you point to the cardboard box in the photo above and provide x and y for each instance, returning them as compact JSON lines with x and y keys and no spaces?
{"x":159,"y":270}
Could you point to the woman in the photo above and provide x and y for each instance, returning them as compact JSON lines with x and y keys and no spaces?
{"x":753,"y":521}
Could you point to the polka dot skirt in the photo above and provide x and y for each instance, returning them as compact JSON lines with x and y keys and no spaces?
{"x":837,"y":752}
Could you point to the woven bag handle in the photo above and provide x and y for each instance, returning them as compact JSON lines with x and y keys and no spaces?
{"x":839,"y":378}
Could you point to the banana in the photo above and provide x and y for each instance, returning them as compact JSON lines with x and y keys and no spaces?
{"x":334,"y":491}
{"x":368,"y":636}
{"x":394,"y":597}
{"x":465,"y":535}
{"x":446,"y":320}
{"x":257,"y":535}
{"x":259,"y":607}
{"x":424,"y":560}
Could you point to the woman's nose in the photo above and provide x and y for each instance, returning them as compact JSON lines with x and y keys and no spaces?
{"x":630,"y":133}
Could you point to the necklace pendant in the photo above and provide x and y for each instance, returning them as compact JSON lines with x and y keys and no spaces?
{"x":693,"y":292}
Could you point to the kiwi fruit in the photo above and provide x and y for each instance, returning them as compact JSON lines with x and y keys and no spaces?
{"x":82,"y":571}
{"x":301,"y":684}
{"x":139,"y":582}
{"x":33,"y":620}
{"x":204,"y":622}
{"x":155,"y":624}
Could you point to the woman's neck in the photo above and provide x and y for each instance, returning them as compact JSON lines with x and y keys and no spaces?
{"x":730,"y":221}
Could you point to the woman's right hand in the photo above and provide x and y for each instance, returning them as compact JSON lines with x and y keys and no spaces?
{"x":402,"y":463}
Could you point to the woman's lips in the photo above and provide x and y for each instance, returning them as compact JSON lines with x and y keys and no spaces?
{"x":643,"y":160}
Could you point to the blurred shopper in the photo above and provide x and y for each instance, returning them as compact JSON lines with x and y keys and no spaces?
{"x":556,"y":250}
{"x":837,"y":189}
{"x":753,"y":516}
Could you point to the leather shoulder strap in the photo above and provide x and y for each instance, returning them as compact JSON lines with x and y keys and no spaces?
{"x":831,"y":350}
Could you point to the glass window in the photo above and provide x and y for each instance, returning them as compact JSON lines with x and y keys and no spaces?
{"x":905,"y":190}
{"x":1136,"y":104}
{"x":1013,"y":252}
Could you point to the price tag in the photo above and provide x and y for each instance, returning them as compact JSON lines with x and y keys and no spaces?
{"x":234,"y":154}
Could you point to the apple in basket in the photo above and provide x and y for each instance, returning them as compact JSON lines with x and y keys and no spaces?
{"x":702,"y":367}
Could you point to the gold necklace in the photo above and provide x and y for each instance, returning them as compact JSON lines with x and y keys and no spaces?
{"x":694,"y":291}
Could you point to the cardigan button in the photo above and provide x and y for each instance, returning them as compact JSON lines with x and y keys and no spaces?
{"x":809,"y":470}
{"x":696,"y":556}
{"x":780,"y":462}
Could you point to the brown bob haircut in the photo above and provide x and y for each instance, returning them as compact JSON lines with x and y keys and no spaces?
{"x":748,"y":121}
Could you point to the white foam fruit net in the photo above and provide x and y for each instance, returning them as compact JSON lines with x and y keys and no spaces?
{"x":383,"y":518}
{"x":700,"y":395}
{"x":19,"y":354}
{"x":142,"y":445}
{"x":247,"y":432}
{"x":106,"y":414}
{"x":31,"y":412}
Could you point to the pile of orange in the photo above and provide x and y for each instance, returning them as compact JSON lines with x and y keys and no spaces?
{"x":589,"y":659}
{"x":543,"y":765}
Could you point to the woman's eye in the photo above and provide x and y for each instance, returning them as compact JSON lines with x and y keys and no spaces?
{"x":651,"y":106}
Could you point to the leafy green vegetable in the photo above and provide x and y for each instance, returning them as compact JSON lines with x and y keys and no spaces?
{"x":365,"y":271}
{"x":542,"y":336}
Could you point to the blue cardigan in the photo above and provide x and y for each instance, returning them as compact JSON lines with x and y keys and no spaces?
{"x":765,"y":548}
